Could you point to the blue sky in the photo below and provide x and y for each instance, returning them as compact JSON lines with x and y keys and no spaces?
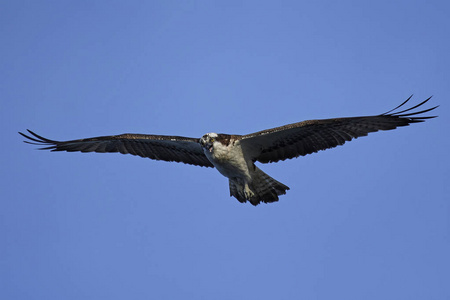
{"x":369,"y":220}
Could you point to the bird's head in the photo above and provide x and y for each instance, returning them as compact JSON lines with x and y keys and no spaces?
{"x":207,"y":141}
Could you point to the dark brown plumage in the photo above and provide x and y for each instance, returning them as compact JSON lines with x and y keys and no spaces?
{"x":310,"y":136}
{"x":158,"y":147}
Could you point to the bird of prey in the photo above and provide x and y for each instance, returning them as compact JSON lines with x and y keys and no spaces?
{"x":234,"y":156}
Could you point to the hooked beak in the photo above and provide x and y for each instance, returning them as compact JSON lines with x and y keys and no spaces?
{"x":207,"y":146}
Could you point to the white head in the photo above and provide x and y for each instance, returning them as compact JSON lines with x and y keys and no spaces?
{"x":207,"y":141}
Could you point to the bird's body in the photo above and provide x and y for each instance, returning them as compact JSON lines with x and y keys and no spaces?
{"x":234,"y":156}
{"x":226,"y":154}
{"x":246,"y":181}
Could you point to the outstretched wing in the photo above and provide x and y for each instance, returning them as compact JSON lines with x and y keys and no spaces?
{"x":158,"y":147}
{"x":307,"y":137}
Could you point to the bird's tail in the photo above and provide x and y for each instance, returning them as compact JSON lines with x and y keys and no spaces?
{"x":263,"y":188}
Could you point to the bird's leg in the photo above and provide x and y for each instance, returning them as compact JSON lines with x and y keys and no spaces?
{"x":248,"y":193}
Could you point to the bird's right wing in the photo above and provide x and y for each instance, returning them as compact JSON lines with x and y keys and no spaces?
{"x":159,"y":147}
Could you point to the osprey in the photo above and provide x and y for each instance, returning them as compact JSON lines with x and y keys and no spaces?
{"x":234,"y":156}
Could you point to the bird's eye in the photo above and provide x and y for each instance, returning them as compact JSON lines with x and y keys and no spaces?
{"x":212,"y":140}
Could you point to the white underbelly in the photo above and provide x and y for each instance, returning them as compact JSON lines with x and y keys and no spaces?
{"x":233,"y":169}
{"x":230,"y":162}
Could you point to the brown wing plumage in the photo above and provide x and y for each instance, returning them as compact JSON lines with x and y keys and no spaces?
{"x":158,"y":147}
{"x":307,"y":137}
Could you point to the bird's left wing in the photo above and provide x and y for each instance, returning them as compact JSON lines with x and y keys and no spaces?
{"x":159,"y":147}
{"x":310,"y":136}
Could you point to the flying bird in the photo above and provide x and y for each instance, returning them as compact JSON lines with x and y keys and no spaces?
{"x":234,"y":156}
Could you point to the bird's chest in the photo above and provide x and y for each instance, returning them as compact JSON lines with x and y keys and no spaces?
{"x":229,"y":160}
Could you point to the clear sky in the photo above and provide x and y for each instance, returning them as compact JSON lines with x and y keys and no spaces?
{"x":368,"y":220}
